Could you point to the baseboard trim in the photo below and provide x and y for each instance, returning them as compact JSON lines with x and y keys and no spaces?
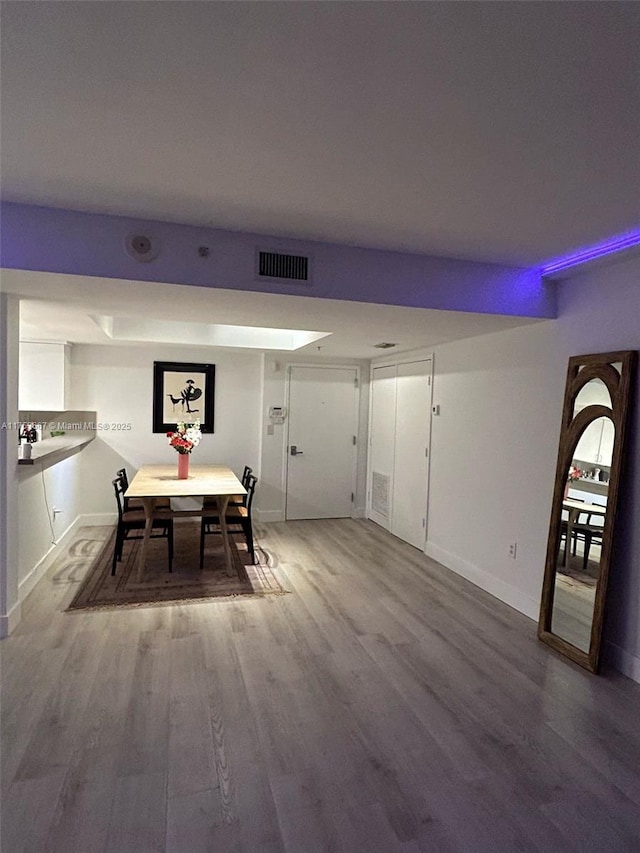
{"x":624,"y":661}
{"x":41,"y":567}
{"x":267,"y":515}
{"x":494,"y":586}
{"x":95,"y":519}
{"x":9,"y":621}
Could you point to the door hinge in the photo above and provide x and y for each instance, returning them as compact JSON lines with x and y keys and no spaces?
{"x":424,"y":522}
{"x":426,"y":451}
{"x":352,"y":497}
{"x":355,"y":440}
{"x":355,"y":382}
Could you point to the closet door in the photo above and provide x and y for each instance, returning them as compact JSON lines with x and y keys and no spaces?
{"x":381,"y":444}
{"x":411,"y":463}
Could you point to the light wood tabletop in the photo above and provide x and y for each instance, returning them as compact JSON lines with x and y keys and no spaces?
{"x":161,"y":481}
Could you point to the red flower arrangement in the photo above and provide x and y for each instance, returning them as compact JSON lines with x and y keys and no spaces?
{"x":574,"y":474}
{"x":185,"y":437}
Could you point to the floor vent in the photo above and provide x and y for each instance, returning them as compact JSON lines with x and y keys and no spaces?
{"x":380,"y":493}
{"x":284,"y":267}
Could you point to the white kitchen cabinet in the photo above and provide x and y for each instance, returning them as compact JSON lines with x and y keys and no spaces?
{"x":43,"y":376}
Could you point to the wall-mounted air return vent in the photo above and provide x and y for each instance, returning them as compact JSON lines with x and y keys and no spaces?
{"x":275,"y":265}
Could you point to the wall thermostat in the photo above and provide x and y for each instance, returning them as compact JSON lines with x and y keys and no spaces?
{"x":277,"y":414}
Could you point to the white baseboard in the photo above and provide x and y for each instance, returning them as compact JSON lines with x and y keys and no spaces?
{"x":503,"y":591}
{"x":267,"y":515}
{"x":624,"y":661}
{"x":9,"y":622}
{"x":43,"y":565}
{"x":97,"y":519}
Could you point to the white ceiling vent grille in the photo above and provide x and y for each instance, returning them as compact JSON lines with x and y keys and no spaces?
{"x":275,"y":265}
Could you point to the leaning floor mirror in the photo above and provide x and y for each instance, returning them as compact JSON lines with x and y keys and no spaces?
{"x":590,"y":455}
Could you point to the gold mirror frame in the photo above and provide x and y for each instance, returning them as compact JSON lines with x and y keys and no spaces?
{"x":581,"y":370}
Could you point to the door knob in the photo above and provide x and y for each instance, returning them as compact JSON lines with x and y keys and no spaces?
{"x":295,"y":451}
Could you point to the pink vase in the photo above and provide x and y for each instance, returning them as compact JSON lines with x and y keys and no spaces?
{"x":183,"y":466}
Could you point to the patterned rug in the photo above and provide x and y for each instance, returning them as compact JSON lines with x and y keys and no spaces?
{"x":100,"y":589}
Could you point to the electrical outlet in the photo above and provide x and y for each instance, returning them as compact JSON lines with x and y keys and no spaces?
{"x":513,"y":550}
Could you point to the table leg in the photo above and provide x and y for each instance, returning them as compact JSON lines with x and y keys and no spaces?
{"x":223,"y":502}
{"x":149,"y":505}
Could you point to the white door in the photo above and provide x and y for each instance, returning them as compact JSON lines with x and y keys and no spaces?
{"x":382,"y":443}
{"x":320,"y":450}
{"x":411,"y":468}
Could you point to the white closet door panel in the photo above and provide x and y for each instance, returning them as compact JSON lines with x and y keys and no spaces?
{"x":381,"y":447}
{"x":411,"y":468}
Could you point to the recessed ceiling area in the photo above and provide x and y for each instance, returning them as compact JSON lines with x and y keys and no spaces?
{"x":353,"y":328}
{"x":147,"y":330}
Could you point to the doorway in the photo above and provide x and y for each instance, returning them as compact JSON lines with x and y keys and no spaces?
{"x":321,"y":441}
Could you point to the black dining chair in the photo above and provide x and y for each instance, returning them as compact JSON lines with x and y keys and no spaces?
{"x":131,"y":523}
{"x":136,"y":503}
{"x":236,"y":516}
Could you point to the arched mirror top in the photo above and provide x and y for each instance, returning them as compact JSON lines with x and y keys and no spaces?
{"x":593,"y":384}
{"x":595,"y":392}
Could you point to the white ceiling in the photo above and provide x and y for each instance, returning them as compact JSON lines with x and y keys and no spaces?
{"x":506,"y":132}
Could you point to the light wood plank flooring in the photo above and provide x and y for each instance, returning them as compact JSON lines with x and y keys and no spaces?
{"x":385,"y":705}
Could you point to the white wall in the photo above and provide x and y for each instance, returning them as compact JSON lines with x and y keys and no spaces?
{"x":494,"y":449}
{"x":42,"y":487}
{"x":118,"y":383}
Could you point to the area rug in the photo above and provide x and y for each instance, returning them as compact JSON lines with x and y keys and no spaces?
{"x":100,"y":589}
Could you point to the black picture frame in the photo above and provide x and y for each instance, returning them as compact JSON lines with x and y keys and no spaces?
{"x":175,"y":397}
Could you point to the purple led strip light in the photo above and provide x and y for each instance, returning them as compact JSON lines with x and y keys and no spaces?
{"x":617,"y":244}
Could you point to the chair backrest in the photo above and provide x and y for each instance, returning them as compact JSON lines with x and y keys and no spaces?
{"x":119,"y":489}
{"x":245,"y":475}
{"x":122,"y":474}
{"x":250,"y":486}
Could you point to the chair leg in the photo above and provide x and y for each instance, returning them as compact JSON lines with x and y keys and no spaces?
{"x":170,"y":544}
{"x":248,"y":534}
{"x":202,"y":526}
{"x":116,"y":549}
{"x":587,"y":548}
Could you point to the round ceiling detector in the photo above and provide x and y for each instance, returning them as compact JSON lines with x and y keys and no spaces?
{"x":141,"y":247}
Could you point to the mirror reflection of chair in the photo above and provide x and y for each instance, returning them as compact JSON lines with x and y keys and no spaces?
{"x":237,"y":516}
{"x":589,"y":532}
{"x":132,"y":521}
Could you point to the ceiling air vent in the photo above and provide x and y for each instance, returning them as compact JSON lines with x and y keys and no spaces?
{"x":284,"y":267}
{"x":384,"y":345}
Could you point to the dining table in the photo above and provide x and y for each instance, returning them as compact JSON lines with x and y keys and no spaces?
{"x":153,"y":482}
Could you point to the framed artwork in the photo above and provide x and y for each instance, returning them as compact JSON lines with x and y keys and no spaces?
{"x":183,"y":392}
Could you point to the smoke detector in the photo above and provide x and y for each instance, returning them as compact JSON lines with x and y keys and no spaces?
{"x":141,"y":247}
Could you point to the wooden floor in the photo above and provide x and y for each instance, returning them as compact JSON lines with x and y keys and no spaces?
{"x":385,"y":705}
